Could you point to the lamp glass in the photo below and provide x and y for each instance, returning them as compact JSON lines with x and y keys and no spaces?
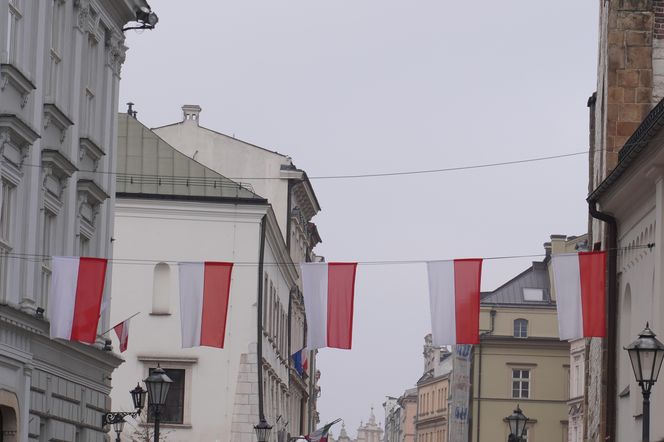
{"x":138,"y":397}
{"x":646,"y":355}
{"x":118,"y":426}
{"x":263,"y":430}
{"x":158,"y":384}
{"x":517,"y":423}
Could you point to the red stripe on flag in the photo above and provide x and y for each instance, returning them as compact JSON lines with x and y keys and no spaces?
{"x":216,"y":291}
{"x":340,"y":299}
{"x":467,"y":277}
{"x":123,"y":337}
{"x":89,"y":291}
{"x":592,"y":272}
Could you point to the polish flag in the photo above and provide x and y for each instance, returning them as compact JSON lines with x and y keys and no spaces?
{"x":204,"y":295}
{"x":122,"y":330}
{"x":329,"y":292}
{"x":454,"y":297}
{"x":580,"y":280}
{"x":77,"y":286}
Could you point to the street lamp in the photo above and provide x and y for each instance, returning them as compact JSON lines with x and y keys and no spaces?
{"x":517,"y":423}
{"x":263,"y":430}
{"x":646,"y":355}
{"x":118,"y":427}
{"x":116,"y":418}
{"x":157,"y":384}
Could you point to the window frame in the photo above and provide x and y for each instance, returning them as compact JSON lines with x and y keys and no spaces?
{"x":521,"y":380}
{"x":173,"y":363}
{"x":522,"y":332}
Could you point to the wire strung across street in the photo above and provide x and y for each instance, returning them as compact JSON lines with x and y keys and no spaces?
{"x":136,"y":261}
{"x":198,"y":181}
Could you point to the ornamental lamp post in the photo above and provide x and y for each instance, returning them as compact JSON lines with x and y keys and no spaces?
{"x":646,"y":355}
{"x":116,"y":418}
{"x":138,"y":397}
{"x":157,"y":384}
{"x":517,"y":423}
{"x":263,"y":430}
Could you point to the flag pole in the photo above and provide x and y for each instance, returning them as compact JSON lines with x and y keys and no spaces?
{"x":102,"y":334}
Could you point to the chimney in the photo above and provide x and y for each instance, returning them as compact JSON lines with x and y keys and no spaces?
{"x":191,"y":113}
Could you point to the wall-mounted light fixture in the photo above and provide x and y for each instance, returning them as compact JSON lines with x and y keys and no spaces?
{"x":145,"y":18}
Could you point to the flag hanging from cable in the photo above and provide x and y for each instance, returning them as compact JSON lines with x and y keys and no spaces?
{"x":454,"y":297}
{"x":204,"y":299}
{"x":329,"y":294}
{"x":77,"y":287}
{"x":580,"y":281}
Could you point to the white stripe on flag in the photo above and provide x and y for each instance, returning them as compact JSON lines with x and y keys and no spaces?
{"x":442,"y":302}
{"x":62,"y":295}
{"x":314,"y":288}
{"x":192,"y":275}
{"x":567,"y":283}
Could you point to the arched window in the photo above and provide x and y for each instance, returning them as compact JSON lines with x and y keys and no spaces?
{"x":161,"y":289}
{"x":520,"y":328}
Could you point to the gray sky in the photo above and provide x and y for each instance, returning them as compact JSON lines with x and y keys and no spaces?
{"x":353,"y":86}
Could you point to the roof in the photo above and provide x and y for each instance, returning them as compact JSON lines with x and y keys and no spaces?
{"x":633,"y":149}
{"x":149,"y":166}
{"x":224,"y":135}
{"x":511,"y":293}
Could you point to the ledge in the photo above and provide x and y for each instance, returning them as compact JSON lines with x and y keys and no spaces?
{"x":12,"y":75}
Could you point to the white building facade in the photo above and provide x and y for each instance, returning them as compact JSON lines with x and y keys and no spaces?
{"x":193,"y":213}
{"x":60,"y":64}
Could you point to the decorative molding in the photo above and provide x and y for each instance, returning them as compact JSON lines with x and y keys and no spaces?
{"x":10,"y":74}
{"x":54,"y":115}
{"x":90,"y":149}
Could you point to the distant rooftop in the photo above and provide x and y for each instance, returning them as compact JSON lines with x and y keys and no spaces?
{"x":530,"y":287}
{"x":148,"y":165}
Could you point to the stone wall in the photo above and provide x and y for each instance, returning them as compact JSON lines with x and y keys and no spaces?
{"x":629,"y":76}
{"x":245,"y":409}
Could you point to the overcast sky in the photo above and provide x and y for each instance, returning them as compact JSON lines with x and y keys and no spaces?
{"x":354,"y":86}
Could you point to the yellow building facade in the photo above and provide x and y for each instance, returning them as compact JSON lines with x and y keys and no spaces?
{"x":520,"y":361}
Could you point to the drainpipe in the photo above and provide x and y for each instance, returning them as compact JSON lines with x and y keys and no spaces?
{"x":289,"y":204}
{"x":492,"y":312}
{"x":610,"y":343}
{"x":259,"y":320}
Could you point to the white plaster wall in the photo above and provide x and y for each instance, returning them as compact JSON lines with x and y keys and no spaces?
{"x":234,"y":159}
{"x":636,"y":306}
{"x":186,"y":231}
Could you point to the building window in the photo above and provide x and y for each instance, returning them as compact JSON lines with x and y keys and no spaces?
{"x":57,"y":36}
{"x":161,"y":289}
{"x":83,"y":245}
{"x":173,"y":410}
{"x":13,"y":26}
{"x":533,"y":294}
{"x":520,"y":383}
{"x":48,"y":237}
{"x":520,"y":328}
{"x":6,"y":211}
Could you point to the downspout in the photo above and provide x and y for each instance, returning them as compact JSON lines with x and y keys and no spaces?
{"x":289,"y":203}
{"x":259,"y":320}
{"x":612,"y":318}
{"x":492,"y":312}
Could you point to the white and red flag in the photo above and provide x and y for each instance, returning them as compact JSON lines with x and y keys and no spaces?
{"x":77,"y":286}
{"x":329,"y":293}
{"x":454,"y":297}
{"x":122,"y":330}
{"x":204,"y":297}
{"x":580,"y":281}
